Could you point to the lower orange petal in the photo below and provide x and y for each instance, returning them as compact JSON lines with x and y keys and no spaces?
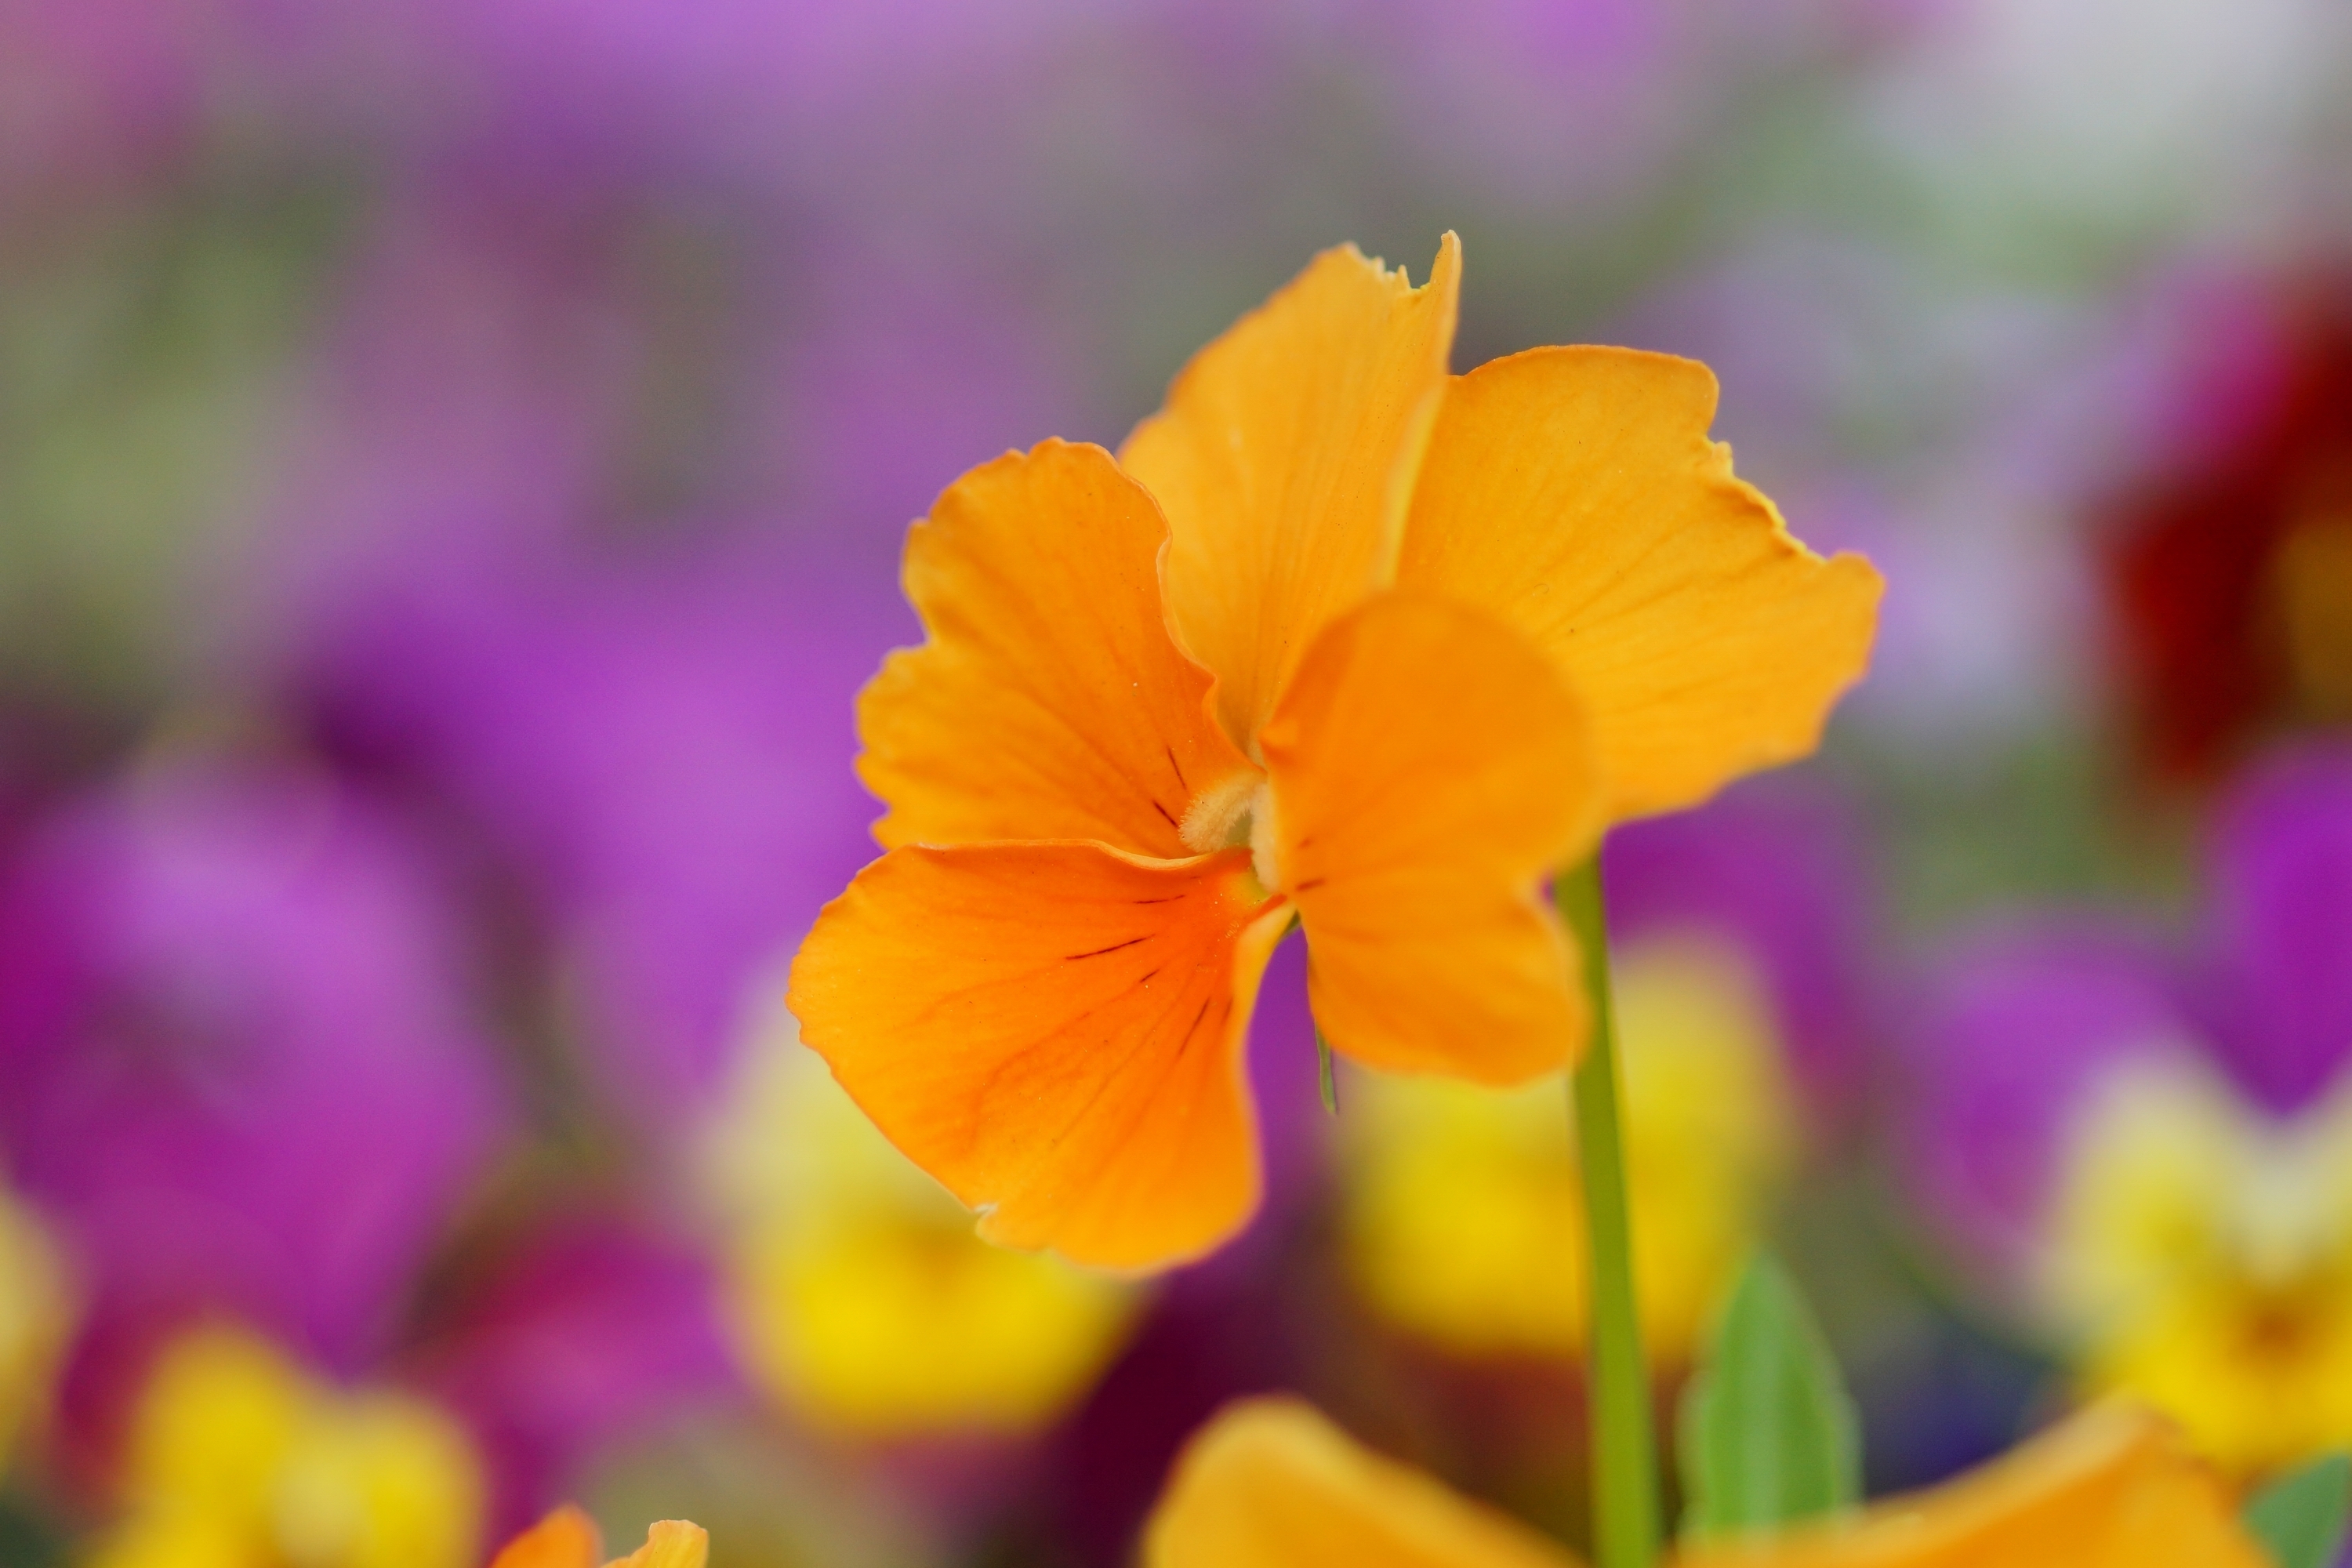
{"x":2111,"y":1488}
{"x":565,"y":1539}
{"x":1055,"y":1031}
{"x":1271,"y":1484}
{"x":1428,"y":767}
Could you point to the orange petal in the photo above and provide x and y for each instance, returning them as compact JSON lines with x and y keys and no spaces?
{"x":1055,"y":1032}
{"x":1574,"y":492}
{"x":2110,"y":1488}
{"x":1271,"y":1484}
{"x":1428,"y":767}
{"x":1050,"y":702}
{"x":1283,"y":459}
{"x":669,"y":1543}
{"x":567,"y":1538}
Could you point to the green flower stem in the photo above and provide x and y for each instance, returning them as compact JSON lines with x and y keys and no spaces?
{"x":1625,"y":1528}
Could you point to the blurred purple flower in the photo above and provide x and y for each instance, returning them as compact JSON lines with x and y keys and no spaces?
{"x":2023,"y":1024}
{"x":2030,"y":1017}
{"x":1778,"y":871}
{"x":240,"y":1069}
{"x":1539,"y":100}
{"x":642,"y":706}
{"x":901,"y":379}
{"x":569,"y":95}
{"x":661,"y":748}
{"x":1542,"y":100}
{"x":93,"y":91}
{"x":2276,"y":980}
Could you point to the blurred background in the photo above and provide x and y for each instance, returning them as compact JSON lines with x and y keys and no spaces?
{"x":453,"y":457}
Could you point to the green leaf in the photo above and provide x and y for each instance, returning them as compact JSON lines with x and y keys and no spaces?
{"x":1768,"y":1435}
{"x":1324,"y":1078}
{"x":2300,"y":1517}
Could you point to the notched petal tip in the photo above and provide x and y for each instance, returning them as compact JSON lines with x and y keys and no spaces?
{"x":1576,"y":493}
{"x":1276,"y":458}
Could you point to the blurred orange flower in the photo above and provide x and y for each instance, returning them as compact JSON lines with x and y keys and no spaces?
{"x":1338,"y":638}
{"x":1271,"y":1484}
{"x":569,"y":1538}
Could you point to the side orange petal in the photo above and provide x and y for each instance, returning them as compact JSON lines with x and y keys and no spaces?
{"x":1574,"y":492}
{"x":566,"y":1538}
{"x":1283,"y":457}
{"x":1054,"y":1031}
{"x":2111,"y":1488}
{"x":1429,"y":766}
{"x":1049,"y":701}
{"x":1271,"y":1484}
{"x":669,"y":1543}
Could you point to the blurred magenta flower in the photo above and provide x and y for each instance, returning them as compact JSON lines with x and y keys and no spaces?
{"x":581,"y":1334}
{"x":2153,"y":1146}
{"x":242,"y":1076}
{"x":87,"y":91}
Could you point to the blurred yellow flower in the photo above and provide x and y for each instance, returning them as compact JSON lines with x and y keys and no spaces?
{"x":2204,"y":1257}
{"x":569,"y":1538}
{"x":859,"y":1293}
{"x":1462,"y":1204}
{"x":1340,"y":639}
{"x":35,"y":1314}
{"x":1271,"y":1484}
{"x":239,"y":1460}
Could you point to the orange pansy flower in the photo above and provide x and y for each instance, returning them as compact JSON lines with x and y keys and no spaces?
{"x":1337,"y":638}
{"x":569,"y":1538}
{"x":1271,"y":1484}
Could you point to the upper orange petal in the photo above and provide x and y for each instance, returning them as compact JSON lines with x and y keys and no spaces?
{"x":1271,"y":1484}
{"x":1055,"y":1032}
{"x":1428,"y":767}
{"x":566,"y":1538}
{"x":669,"y":1543}
{"x":1283,"y":457}
{"x":1049,"y":701}
{"x":2110,"y":1488}
{"x":1574,"y":492}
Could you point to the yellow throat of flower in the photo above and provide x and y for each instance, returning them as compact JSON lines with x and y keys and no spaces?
{"x":2201,"y":1256}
